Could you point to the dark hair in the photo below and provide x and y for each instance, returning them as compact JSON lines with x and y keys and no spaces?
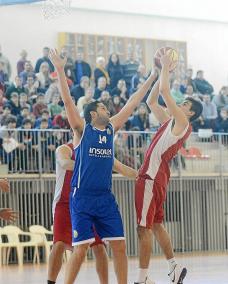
{"x":196,"y":107}
{"x":44,"y":111}
{"x":11,"y":119}
{"x":7,"y":106}
{"x":90,"y":107}
{"x":44,"y":120}
{"x":26,"y":121}
{"x":25,"y":107}
{"x":110,"y":63}
{"x":199,"y":71}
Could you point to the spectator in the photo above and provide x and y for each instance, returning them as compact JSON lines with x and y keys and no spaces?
{"x":54,"y":107}
{"x":53,"y":89}
{"x":190,"y":93}
{"x":69,"y":66}
{"x":21,"y":61}
{"x":202,"y":86}
{"x":5,"y":114}
{"x":176,"y":93}
{"x":39,"y":106}
{"x":221,"y":122}
{"x":118,"y":105}
{"x":190,"y":81}
{"x":101,"y":86}
{"x":15,"y":87}
{"x":85,"y":99}
{"x":28,"y":71}
{"x":221,"y":100}
{"x":43,"y":77}
{"x":139,"y":77}
{"x":24,"y":114}
{"x":107,"y":101}
{"x":209,"y":113}
{"x":43,"y":59}
{"x":14,"y":104}
{"x":44,"y":115}
{"x":31,"y":86}
{"x":121,"y":91}
{"x":115,"y":70}
{"x":7,"y":66}
{"x":61,"y":120}
{"x":4,"y":79}
{"x":141,"y":119}
{"x":78,"y":91}
{"x":23,"y":101}
{"x":81,"y":69}
{"x":130,"y":68}
{"x":3,"y":100}
{"x":100,"y":71}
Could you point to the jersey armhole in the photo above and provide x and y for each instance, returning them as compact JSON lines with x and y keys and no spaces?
{"x":75,"y":147}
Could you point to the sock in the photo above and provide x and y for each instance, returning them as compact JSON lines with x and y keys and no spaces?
{"x":50,"y":282}
{"x":142,"y":275}
{"x":171,"y":263}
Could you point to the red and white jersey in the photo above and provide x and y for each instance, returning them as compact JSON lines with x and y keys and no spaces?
{"x":162,"y":149}
{"x":63,"y":182}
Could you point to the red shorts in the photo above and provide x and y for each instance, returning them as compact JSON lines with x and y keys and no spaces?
{"x":62,"y":230}
{"x":149,"y":201}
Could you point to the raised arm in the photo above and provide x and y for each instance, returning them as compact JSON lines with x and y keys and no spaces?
{"x":181,"y":120}
{"x":63,"y":157}
{"x":120,"y":118}
{"x":4,"y":184}
{"x":152,"y":102}
{"x":124,"y":170}
{"x":73,"y":115}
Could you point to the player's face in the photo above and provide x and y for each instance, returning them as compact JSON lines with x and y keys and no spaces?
{"x":103,"y":115}
{"x":186,"y":108}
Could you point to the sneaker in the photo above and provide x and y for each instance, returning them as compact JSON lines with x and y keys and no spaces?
{"x":147,"y":281}
{"x":177,"y":275}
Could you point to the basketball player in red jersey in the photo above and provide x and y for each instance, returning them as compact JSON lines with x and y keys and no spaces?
{"x":154,"y":174}
{"x":61,"y":214}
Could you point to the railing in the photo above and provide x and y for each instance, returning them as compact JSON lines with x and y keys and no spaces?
{"x":33,"y":151}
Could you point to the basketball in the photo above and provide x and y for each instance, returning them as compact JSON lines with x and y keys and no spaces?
{"x":164,"y":50}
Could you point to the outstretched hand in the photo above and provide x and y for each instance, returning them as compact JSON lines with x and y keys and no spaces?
{"x":166,"y":60}
{"x":56,"y":59}
{"x":8,"y":214}
{"x":4,"y":185}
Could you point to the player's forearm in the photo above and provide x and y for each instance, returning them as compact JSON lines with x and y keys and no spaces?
{"x":164,"y":86}
{"x":125,"y":170}
{"x":154,"y":94}
{"x":64,"y":89}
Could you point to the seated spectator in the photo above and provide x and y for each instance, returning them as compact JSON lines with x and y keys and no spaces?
{"x":141,"y":118}
{"x":86,"y":99}
{"x":118,"y":105}
{"x":69,"y":66}
{"x":190,"y":81}
{"x":139,"y":77}
{"x":28,"y":71}
{"x":25,"y":114}
{"x":190,"y":93}
{"x":61,"y":120}
{"x":202,"y":86}
{"x":209,"y":113}
{"x":31,"y":86}
{"x":81,"y":68}
{"x":130,"y":68}
{"x":221,"y":122}
{"x":5,"y":114}
{"x":14,"y":104}
{"x":176,"y":93}
{"x":23,"y":101}
{"x":107,"y":101}
{"x":78,"y":91}
{"x":15,"y":87}
{"x":4,"y":79}
{"x":44,"y":115}
{"x":43,"y":77}
{"x":221,"y":100}
{"x":44,"y":59}
{"x":183,"y":85}
{"x":3,"y":100}
{"x":21,"y":61}
{"x":101,"y":86}
{"x":53,"y":89}
{"x":121,"y":90}
{"x":54,"y":107}
{"x":39,"y":106}
{"x":115,"y":70}
{"x":100,"y":71}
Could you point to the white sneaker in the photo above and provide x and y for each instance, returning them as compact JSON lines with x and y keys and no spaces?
{"x":177,"y":275}
{"x":147,"y":281}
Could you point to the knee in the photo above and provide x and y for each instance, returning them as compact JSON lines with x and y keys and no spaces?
{"x":118,"y":247}
{"x":58,"y":247}
{"x":144,"y":233}
{"x":81,"y":251}
{"x":99,"y":251}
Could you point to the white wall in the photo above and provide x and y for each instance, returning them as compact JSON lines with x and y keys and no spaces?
{"x":207,"y":42}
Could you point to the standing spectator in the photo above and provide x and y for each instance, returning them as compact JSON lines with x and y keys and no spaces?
{"x":115,"y":70}
{"x":28,"y":71}
{"x":78,"y":91}
{"x":130,"y":68}
{"x":39,"y":106}
{"x":21,"y":61}
{"x":54,"y":107}
{"x":4,"y":79}
{"x":15,"y":87}
{"x":141,"y":119}
{"x":202,"y":86}
{"x":101,"y":86}
{"x":5,"y":60}
{"x":107,"y":101}
{"x":139,"y":77}
{"x":86,"y":99}
{"x":176,"y":93}
{"x":69,"y":66}
{"x":43,"y":77}
{"x":100,"y":71}
{"x":190,"y":81}
{"x":209,"y":113}
{"x":61,"y":120}
{"x":81,"y":69}
{"x":221,"y":100}
{"x":43,"y":59}
{"x":14,"y":104}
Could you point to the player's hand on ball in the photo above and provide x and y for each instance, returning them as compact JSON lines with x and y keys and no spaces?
{"x":4,"y":185}
{"x":166,"y":59}
{"x":56,"y":59}
{"x":8,"y":214}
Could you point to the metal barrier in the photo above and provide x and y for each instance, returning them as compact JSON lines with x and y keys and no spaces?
{"x":33,"y":151}
{"x":196,"y":210}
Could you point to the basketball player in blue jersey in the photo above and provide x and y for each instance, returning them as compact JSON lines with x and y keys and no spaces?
{"x":92,"y":202}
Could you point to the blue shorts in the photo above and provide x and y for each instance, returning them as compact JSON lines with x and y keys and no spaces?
{"x":101,"y":212}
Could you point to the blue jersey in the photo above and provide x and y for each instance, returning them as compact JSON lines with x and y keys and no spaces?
{"x":93,"y":166}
